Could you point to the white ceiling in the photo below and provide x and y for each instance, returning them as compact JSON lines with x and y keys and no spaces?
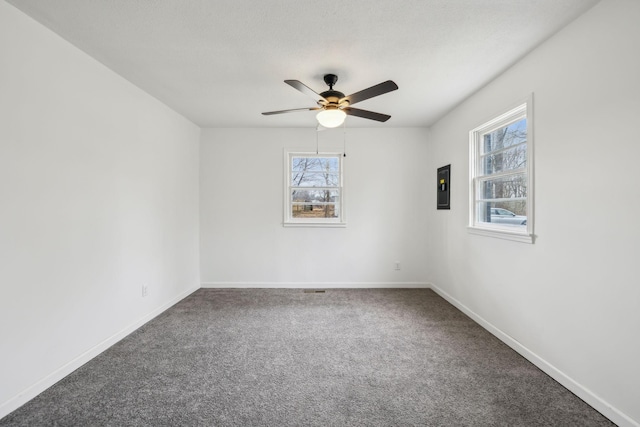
{"x":222,"y":63}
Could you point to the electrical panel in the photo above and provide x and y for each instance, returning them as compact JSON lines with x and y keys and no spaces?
{"x":444,"y":187}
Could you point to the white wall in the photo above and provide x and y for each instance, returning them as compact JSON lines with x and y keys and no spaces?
{"x":98,"y":195}
{"x":571,"y":301}
{"x":243,"y":242}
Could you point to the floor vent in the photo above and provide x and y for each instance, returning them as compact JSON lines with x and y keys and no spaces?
{"x":314,"y":291}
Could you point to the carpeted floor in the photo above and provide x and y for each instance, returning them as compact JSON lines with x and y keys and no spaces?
{"x":283,"y":357}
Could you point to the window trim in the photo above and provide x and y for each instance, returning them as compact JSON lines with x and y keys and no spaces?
{"x":288,"y":220}
{"x":523,"y":109}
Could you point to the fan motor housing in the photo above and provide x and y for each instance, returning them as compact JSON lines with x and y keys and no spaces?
{"x":332,"y":95}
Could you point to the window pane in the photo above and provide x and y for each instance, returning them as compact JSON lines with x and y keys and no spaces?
{"x":308,"y":210}
{"x":512,"y":213}
{"x":314,"y":179}
{"x":329,"y":164}
{"x":301,"y":163}
{"x":315,"y":164}
{"x":317,"y":196}
{"x":512,"y":158}
{"x":512,"y":134}
{"x":506,"y":187}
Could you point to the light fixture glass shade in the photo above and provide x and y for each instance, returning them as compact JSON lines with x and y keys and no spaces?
{"x":331,"y":118}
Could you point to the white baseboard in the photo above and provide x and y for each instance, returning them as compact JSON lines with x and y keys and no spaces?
{"x":26,"y":395}
{"x":308,"y":285}
{"x":576,"y":388}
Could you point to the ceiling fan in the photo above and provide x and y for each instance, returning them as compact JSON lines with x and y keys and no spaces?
{"x":333,"y":106}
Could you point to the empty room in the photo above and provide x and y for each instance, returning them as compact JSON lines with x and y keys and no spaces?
{"x":299,"y":213}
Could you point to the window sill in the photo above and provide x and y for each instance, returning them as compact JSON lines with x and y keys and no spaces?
{"x":500,"y":233}
{"x":315,"y":224}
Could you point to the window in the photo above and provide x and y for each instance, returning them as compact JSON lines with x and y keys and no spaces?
{"x":314,"y":194}
{"x":501,"y":176}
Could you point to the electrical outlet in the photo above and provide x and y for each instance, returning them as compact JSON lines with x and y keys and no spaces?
{"x":397,"y":265}
{"x":145,"y":290}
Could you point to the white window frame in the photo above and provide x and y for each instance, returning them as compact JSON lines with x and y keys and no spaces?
{"x":523,"y":110}
{"x":289,"y":220}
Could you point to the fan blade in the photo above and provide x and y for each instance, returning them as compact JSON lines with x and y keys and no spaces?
{"x":379,"y":89}
{"x":269,"y":113}
{"x":366,"y":114}
{"x":307,"y":91}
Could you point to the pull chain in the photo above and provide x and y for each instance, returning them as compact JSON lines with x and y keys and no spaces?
{"x":344,"y":139}
{"x":317,"y":132}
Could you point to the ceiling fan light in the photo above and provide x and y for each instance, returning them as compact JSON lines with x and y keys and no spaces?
{"x":331,"y":118}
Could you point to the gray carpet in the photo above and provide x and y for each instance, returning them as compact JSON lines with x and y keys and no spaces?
{"x":281,"y":357}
